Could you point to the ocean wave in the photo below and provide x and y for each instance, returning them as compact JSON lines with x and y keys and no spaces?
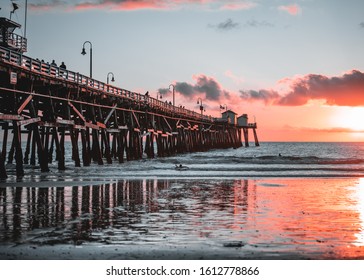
{"x":270,"y":159}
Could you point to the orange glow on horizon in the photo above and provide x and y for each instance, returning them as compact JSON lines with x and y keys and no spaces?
{"x":349,"y":117}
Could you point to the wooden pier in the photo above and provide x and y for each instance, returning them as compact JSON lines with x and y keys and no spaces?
{"x":43,"y":105}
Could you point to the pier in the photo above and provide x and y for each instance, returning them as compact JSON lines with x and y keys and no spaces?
{"x":42,"y":105}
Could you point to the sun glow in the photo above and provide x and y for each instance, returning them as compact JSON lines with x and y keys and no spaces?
{"x":350,"y":118}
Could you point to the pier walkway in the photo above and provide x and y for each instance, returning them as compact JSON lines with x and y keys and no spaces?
{"x":50,"y":105}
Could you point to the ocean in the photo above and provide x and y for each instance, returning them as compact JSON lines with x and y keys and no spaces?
{"x":271,"y":159}
{"x":275,"y":201}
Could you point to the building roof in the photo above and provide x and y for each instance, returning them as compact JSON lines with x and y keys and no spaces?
{"x":9,"y":24}
{"x":229,"y":111}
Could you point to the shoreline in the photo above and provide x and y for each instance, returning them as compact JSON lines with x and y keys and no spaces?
{"x":82,"y":181}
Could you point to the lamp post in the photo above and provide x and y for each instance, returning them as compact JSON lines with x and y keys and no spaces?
{"x":199,"y":101}
{"x":112,"y":78}
{"x":15,"y":7}
{"x":159,"y":95}
{"x":25,"y":18}
{"x":223,"y":107}
{"x":172,"y":92}
{"x":84,"y":52}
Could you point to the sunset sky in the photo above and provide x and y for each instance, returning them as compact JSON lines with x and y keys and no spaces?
{"x":296,"y":67}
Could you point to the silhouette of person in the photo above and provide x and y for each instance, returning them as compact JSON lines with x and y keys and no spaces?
{"x":63,"y":66}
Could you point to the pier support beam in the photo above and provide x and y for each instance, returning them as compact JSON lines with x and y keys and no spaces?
{"x":3,"y":174}
{"x":18,"y":150}
{"x":256,"y":138}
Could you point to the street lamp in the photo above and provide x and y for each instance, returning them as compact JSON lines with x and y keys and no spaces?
{"x":172,"y":91}
{"x":199,"y":101}
{"x":84,"y":52}
{"x":112,"y":78}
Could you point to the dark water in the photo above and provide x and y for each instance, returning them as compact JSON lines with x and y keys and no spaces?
{"x":317,"y":218}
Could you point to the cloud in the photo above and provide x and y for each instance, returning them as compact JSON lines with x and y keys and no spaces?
{"x":164,"y":91}
{"x":125,"y":5}
{"x":203,"y":85}
{"x":255,"y":23}
{"x":237,"y":80}
{"x":239,"y":6}
{"x":268,"y":96}
{"x":345,"y":90}
{"x":129,"y":5}
{"x":226,"y":25}
{"x":229,"y":24}
{"x":293,"y":9}
{"x":48,"y":5}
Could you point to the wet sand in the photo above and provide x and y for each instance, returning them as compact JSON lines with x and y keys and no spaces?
{"x":144,"y":252}
{"x":264,"y":218}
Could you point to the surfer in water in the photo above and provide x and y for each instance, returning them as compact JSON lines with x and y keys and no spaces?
{"x":181,"y":167}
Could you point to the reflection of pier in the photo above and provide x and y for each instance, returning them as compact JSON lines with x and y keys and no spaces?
{"x":73,"y":214}
{"x":50,"y":105}
{"x":74,"y":210}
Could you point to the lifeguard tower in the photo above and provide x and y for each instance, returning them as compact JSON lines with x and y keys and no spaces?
{"x":8,"y":38}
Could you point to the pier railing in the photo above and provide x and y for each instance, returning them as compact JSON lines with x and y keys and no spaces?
{"x":57,"y":72}
{"x":15,"y":41}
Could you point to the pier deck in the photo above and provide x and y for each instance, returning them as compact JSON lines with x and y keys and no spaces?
{"x":50,"y":105}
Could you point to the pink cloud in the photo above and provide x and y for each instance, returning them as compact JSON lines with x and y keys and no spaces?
{"x":239,"y":6}
{"x":237,"y":80}
{"x":124,"y":5}
{"x":326,"y":130}
{"x":293,"y":9}
{"x":128,"y":5}
{"x":345,"y":90}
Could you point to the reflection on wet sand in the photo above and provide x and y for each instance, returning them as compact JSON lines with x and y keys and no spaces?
{"x":318,"y":218}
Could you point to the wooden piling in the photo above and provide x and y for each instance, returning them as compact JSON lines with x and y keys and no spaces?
{"x":3,"y":174}
{"x":256,"y":138}
{"x":27,"y":147}
{"x":18,"y":150}
{"x":60,"y":157}
{"x":5,"y":139}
